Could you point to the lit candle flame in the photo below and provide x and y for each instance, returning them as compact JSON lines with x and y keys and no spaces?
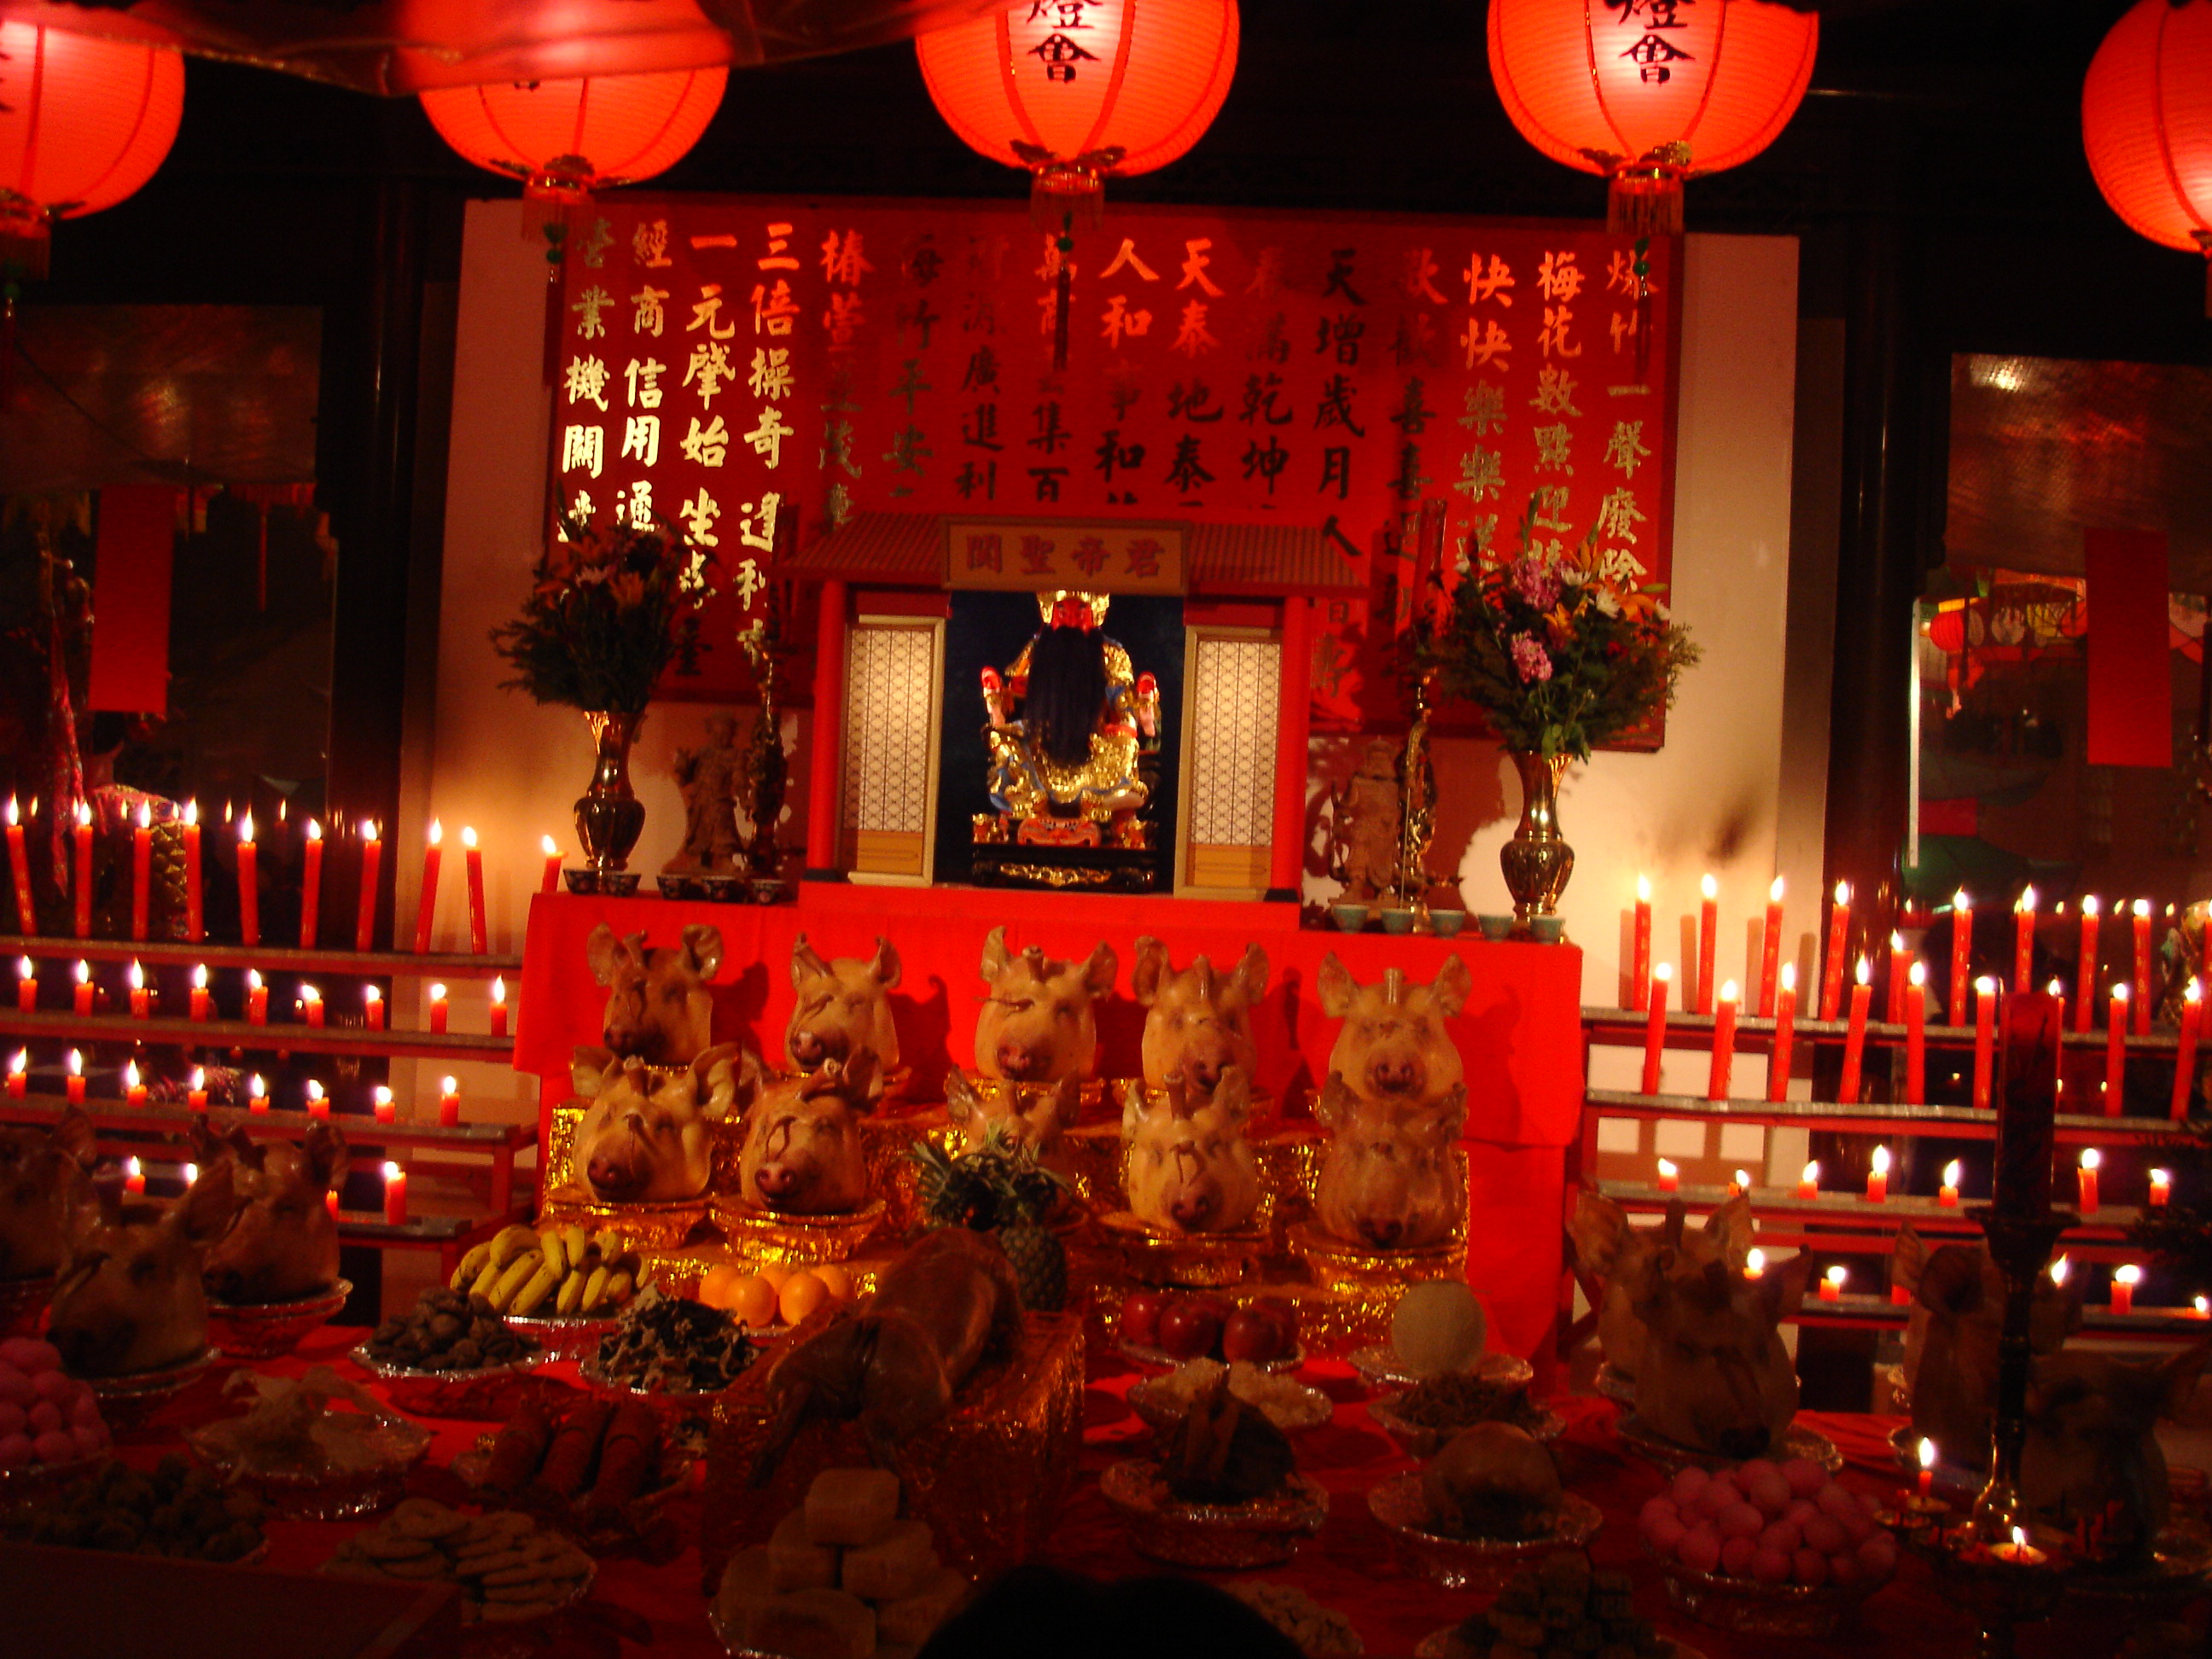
{"x":1728,"y":990}
{"x":391,"y":1170}
{"x":255,"y":1087}
{"x":437,"y":992}
{"x":2089,"y":905}
{"x":14,"y":813}
{"x":1743,"y":1179}
{"x":2027,"y":901}
{"x":2054,"y":987}
{"x":2143,"y":907}
{"x":548,"y":843}
{"x":2120,"y":993}
{"x":1843,"y":892}
{"x":368,"y":829}
{"x":309,"y":993}
{"x":2161,"y":1177}
{"x":1882,"y":1160}
{"x":1812,"y":1174}
{"x":448,"y":1085}
{"x":1668,"y":1170}
{"x":23,"y":968}
{"x":468,"y":837}
{"x":82,"y":970}
{"x":130,"y":1078}
{"x":2060,"y":1269}
{"x":191,"y":811}
{"x":253,"y":979}
{"x":314,"y":1090}
{"x":1865,"y":973}
{"x":21,"y":1063}
{"x":1709,"y":888}
{"x":1951,"y":1173}
{"x":137,"y":975}
{"x":1962,"y":900}
{"x":1643,"y":885}
{"x":437,"y":832}
{"x":498,"y":989}
{"x":1896,"y":940}
{"x":1789,"y":976}
{"x":1985,"y":986}
{"x":199,"y":977}
{"x":1774,"y":890}
{"x":383,"y":1095}
{"x":2129,"y":1274}
{"x":130,"y":1167}
{"x":314,"y":831}
{"x":1836,"y":1275}
{"x":1927,"y":1453}
{"x":75,"y":1063}
{"x":1754,"y":1264}
{"x":245,"y":827}
{"x":145,"y":814}
{"x":83,"y":813}
{"x":190,"y":1172}
{"x":2193,"y":993}
{"x":370,"y":994}
{"x":199,"y":1076}
{"x":1918,"y":975}
{"x":2020,"y":1538}
{"x":2092,"y":1158}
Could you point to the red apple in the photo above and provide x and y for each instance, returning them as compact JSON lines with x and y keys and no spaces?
{"x":1189,"y":1328}
{"x":1140,"y":1318}
{"x":1251,"y":1335}
{"x":1285,"y":1316}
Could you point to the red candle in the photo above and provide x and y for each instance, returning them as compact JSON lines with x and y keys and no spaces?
{"x":1709,"y":939}
{"x":2184,"y":1056}
{"x":80,"y":995}
{"x":1900,"y":969}
{"x":134,"y":1089}
{"x":199,"y":1005}
{"x":318,"y":1104}
{"x":195,"y":916}
{"x":1716,"y":1080}
{"x":1962,"y":955}
{"x":311,"y":887}
{"x":1878,"y":1177}
{"x":438,"y":1008}
{"x":1832,"y":964}
{"x":395,"y":1195}
{"x":2085,"y":973}
{"x":2023,"y":939}
{"x":550,"y":882}
{"x":1640,"y":954}
{"x":1927,"y":1467}
{"x":449,"y":1102}
{"x":249,"y":883}
{"x":2116,"y":1048}
{"x":1770,"y":950}
{"x":257,"y":1095}
{"x":141,"y":870}
{"x":310,"y":1006}
{"x":2162,"y":1189}
{"x":499,"y":1008}
{"x":1847,"y":1092}
{"x":472,"y":863}
{"x":1755,"y":1261}
{"x":196,"y":1096}
{"x":82,"y":894}
{"x":1654,"y":1028}
{"x":1831,"y":1285}
{"x":1916,"y":1036}
{"x":2058,"y":997}
{"x":1946,"y":1195}
{"x":19,"y":862}
{"x":330,"y":1201}
{"x":26,"y":986}
{"x":1808,"y":1183}
{"x":18,"y":1081}
{"x":426,"y":912}
{"x":372,"y":857}
{"x":257,"y":998}
{"x":76,"y":1084}
{"x":380,"y":1102}
{"x":373,"y":1003}
{"x":2124,"y":1280}
{"x":142,"y":999}
{"x":1985,"y":1011}
{"x":2142,"y":967}
{"x":1785,"y":1017}
{"x":2090,"y":1161}
{"x":134,"y":1178}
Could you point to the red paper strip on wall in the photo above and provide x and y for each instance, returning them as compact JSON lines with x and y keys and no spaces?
{"x":2130,"y":685}
{"x":130,"y":599}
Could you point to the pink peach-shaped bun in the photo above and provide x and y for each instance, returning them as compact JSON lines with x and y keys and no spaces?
{"x":16,"y":1450}
{"x":85,"y":1408}
{"x":1800,"y":1511}
{"x":17,"y":1389}
{"x":1878,"y":1555}
{"x":1655,"y":1509}
{"x":1741,"y":1521}
{"x":90,"y":1441}
{"x":1844,"y":1568}
{"x":1825,"y":1533}
{"x":1666,"y":1534}
{"x":43,"y":1418}
{"x":1688,"y":1483}
{"x":1764,"y":1484}
{"x":1859,"y":1526}
{"x":27,"y":1353}
{"x":1804,"y":1475}
{"x":1722,"y":1491}
{"x":1783,"y":1536}
{"x":55,"y":1447}
{"x":1809,"y":1568}
{"x":1700,"y":1550}
{"x":1771,"y":1566}
{"x":12,"y":1419}
{"x":57,"y":1386}
{"x":1834,"y":1500}
{"x":1736,"y":1555}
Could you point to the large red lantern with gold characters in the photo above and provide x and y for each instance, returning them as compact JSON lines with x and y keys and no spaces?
{"x":1647,"y":93}
{"x":83,"y":123}
{"x":2147,"y":124}
{"x":564,"y":139}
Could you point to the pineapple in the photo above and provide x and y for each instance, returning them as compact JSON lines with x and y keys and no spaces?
{"x":1000,"y":1189}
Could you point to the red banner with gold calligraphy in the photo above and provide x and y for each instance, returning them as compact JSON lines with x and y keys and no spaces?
{"x":737,"y":365}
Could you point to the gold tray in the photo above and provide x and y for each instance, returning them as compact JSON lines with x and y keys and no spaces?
{"x":797,"y":1241}
{"x":1189,"y":1261}
{"x":645,"y":1226}
{"x":1478,"y":1564}
{"x":1258,"y":1534}
{"x":1341,"y":1267}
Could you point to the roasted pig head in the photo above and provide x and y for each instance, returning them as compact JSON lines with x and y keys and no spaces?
{"x":1191,"y":1170}
{"x":803,"y":1152}
{"x":1714,"y":1374}
{"x":1039,"y":1023}
{"x":131,"y":1299}
{"x":658,"y":1008}
{"x":646,"y":1138}
{"x":1393,"y":1050}
{"x":284,"y":1244}
{"x":1615,"y":1254}
{"x":1197,"y":1023}
{"x":842,"y":1004}
{"x":1389,"y":1181}
{"x":43,"y":1174}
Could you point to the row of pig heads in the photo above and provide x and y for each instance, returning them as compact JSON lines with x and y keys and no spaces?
{"x":1197,"y":1023}
{"x":1039,"y":1020}
{"x":43,"y":1173}
{"x":1611,"y":1249}
{"x":646,"y":1138}
{"x":1191,"y":1170}
{"x":1393,"y":1049}
{"x":658,"y":1009}
{"x":841,"y":1005}
{"x":131,"y":1297}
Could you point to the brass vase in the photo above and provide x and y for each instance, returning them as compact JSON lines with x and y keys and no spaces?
{"x":609,"y":815}
{"x":1537,"y":861}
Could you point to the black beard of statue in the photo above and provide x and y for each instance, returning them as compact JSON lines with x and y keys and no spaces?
{"x":1067,"y":690}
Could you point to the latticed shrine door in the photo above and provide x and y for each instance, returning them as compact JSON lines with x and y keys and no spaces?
{"x":1230,"y":702}
{"x":892,"y":669}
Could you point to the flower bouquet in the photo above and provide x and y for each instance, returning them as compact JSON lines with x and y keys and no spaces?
{"x":1563,"y":649}
{"x":606,"y":606}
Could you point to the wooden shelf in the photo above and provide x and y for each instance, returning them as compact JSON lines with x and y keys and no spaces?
{"x":2107,"y":1223}
{"x":111,"y":1114}
{"x":269,"y":958}
{"x":286,"y":1038}
{"x":1623,"y":1028}
{"x":1880,"y":1313}
{"x":1876,"y":1118}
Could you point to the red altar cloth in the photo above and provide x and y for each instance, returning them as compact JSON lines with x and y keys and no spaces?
{"x":1520,"y":1034}
{"x":1351,"y":1566}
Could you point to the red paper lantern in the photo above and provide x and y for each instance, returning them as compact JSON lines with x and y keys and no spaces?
{"x":564,"y":139}
{"x":1648,"y":91}
{"x":1078,"y":89}
{"x":83,"y":123}
{"x":2147,"y":124}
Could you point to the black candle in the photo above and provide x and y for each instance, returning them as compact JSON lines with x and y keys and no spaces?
{"x":2027,"y":1095}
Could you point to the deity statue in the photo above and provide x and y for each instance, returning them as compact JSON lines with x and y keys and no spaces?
{"x":1068,"y":723}
{"x":1367,"y":815}
{"x":707,"y":776}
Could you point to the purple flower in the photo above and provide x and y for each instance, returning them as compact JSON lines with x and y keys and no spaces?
{"x":1530,"y":660}
{"x":1536,"y":583}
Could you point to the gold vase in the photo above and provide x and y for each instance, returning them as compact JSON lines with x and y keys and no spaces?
{"x":609,"y":815}
{"x":1537,"y":861}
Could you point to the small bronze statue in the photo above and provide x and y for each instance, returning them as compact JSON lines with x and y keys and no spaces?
{"x":1367,"y":814}
{"x":708,"y":778}
{"x":766,"y":772}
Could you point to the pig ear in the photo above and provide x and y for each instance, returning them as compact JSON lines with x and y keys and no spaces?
{"x":602,"y":951}
{"x":1670,"y":1229}
{"x":1251,"y":975}
{"x":750,"y":1076}
{"x":1334,"y":1105}
{"x":1599,"y":1230}
{"x":210,"y":1205}
{"x":1232,"y":1094}
{"x":885,"y":964}
{"x":1452,"y":987}
{"x":247,"y":1151}
{"x":75,"y":1137}
{"x":714,"y":1079}
{"x":703,"y":947}
{"x":1780,"y":1290}
{"x":325,"y":1147}
{"x":1098,"y":972}
{"x":207,"y":1147}
{"x":994,"y":953}
{"x":805,"y":963}
{"x":1336,"y":987}
{"x":591,"y":1070}
{"x":1908,"y":1260}
{"x":1730,"y":1227}
{"x":962,"y":1104}
{"x":1151,"y":967}
{"x":2177,"y":1379}
{"x":1133,"y":1108}
{"x":93,"y":1204}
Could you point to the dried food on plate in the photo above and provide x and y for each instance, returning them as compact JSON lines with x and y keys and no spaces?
{"x":1492,"y":1481}
{"x":674,"y":1346}
{"x":1225,"y":1451}
{"x":506,"y":1565}
{"x":1460,"y":1399}
{"x":1288,"y":1403}
{"x":174,"y":1510}
{"x":319,"y":1426}
{"x":446,"y":1331}
{"x":594,"y":1454}
{"x":1561,"y":1605}
{"x":1320,"y":1633}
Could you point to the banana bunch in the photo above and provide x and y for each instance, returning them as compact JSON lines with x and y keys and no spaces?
{"x":524,"y":1269}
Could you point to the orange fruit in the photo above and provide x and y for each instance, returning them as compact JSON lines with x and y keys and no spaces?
{"x":718,"y":1282}
{"x":836,"y":1281}
{"x":774,"y":1274}
{"x":752,"y":1303}
{"x":802,"y":1294}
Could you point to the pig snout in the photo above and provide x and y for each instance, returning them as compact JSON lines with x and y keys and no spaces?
{"x":809,"y":1047}
{"x":1198,"y":1195}
{"x":1021,"y":1062}
{"x":1744,"y":1441}
{"x":95,"y":1347}
{"x":1395,"y":1074}
{"x":778,"y":1184}
{"x":1382,"y":1232}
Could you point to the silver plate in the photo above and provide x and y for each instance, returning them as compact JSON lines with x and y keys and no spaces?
{"x":1160,"y":1360}
{"x":1797,"y":1441}
{"x":1473,"y":1563}
{"x":1148,"y":1400}
{"x":1420,"y":1440}
{"x":1379,"y":1367}
{"x":1437,"y":1644}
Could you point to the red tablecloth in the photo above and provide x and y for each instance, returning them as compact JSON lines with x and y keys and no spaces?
{"x":1351,"y":1566}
